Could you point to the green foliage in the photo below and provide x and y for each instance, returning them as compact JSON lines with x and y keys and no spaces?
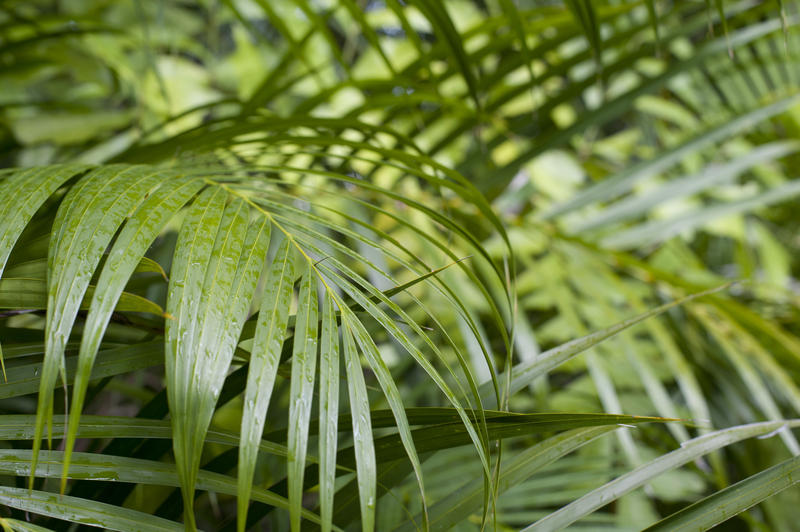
{"x":398,"y":265}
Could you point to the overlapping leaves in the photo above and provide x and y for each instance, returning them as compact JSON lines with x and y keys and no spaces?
{"x":225,"y":235}
{"x":316,"y":204}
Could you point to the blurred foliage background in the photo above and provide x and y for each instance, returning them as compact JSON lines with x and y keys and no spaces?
{"x":581,"y":162}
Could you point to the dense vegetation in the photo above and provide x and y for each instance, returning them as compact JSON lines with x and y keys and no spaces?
{"x":399,"y":264}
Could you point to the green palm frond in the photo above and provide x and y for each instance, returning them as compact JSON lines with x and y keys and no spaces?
{"x":221,"y":248}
